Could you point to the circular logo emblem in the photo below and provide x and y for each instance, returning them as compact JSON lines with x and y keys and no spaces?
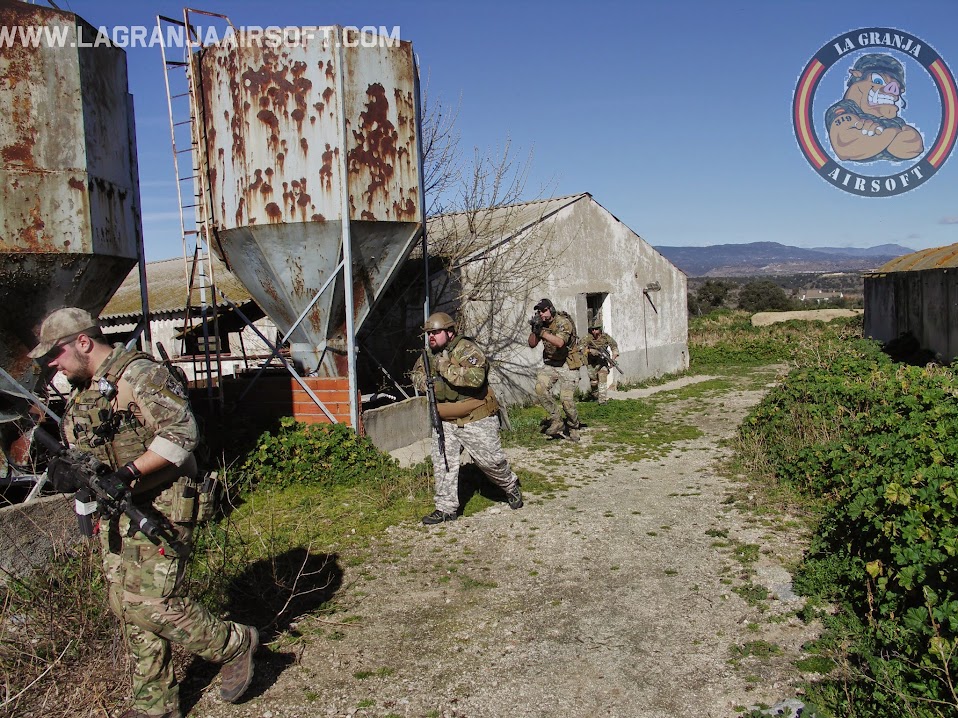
{"x":875,"y":112}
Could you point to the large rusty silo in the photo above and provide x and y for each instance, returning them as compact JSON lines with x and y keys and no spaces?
{"x":303,"y":146}
{"x":70,"y":228}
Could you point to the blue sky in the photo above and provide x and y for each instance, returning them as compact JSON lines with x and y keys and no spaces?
{"x":675,"y":116}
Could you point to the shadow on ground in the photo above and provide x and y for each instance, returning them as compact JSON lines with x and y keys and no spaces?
{"x":271,"y":595}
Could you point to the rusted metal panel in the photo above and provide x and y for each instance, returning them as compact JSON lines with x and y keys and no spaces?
{"x":381,"y":143}
{"x":933,"y":258}
{"x":69,"y":194}
{"x":274,"y":124}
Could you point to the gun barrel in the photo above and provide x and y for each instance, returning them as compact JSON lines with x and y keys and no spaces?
{"x":434,"y":417}
{"x":49,"y":442}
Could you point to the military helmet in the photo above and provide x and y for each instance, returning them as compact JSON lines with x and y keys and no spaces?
{"x":595,"y":324}
{"x":878,"y":62}
{"x":438,"y":320}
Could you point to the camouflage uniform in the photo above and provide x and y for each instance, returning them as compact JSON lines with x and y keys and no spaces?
{"x":597,"y":365}
{"x":469,"y":412}
{"x":146,"y":408}
{"x":562,"y":366}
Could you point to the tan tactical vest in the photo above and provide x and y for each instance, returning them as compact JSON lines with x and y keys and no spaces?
{"x":103,"y":420}
{"x":463,"y":404}
{"x":569,"y":355}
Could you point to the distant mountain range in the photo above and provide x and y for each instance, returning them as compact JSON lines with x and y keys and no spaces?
{"x":763,"y":258}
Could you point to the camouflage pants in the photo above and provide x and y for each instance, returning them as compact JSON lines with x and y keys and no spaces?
{"x":546,"y":378}
{"x":145,"y":591}
{"x":481,"y":440}
{"x":599,"y":380}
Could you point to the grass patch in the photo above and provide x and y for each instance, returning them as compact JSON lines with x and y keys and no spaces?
{"x":756,"y":649}
{"x":815,"y":664}
{"x":629,"y":428}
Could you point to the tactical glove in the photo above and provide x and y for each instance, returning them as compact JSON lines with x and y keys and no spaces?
{"x":127,"y":474}
{"x":536,"y":324}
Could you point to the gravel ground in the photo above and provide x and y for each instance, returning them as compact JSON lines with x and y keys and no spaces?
{"x":612,"y":598}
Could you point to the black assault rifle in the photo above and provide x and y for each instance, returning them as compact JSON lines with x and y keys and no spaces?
{"x":99,"y":491}
{"x":606,"y":354}
{"x":433,"y":407}
{"x":536,"y":324}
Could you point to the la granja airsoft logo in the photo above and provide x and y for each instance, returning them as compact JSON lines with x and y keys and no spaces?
{"x":875,"y":112}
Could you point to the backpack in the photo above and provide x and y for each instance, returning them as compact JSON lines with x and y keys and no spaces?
{"x":575,"y":358}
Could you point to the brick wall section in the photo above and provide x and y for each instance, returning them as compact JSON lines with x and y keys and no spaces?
{"x":276,"y":396}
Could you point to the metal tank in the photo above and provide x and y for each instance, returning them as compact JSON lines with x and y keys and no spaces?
{"x":70,"y":228}
{"x":304,"y":144}
{"x":70,"y":224}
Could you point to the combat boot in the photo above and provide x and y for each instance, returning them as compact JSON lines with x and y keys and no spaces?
{"x":237,"y":674}
{"x":555,"y":428}
{"x":574,"y":435}
{"x":515,"y":497}
{"x":438,"y":517}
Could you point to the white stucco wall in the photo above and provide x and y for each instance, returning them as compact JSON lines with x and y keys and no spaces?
{"x":591,"y":253}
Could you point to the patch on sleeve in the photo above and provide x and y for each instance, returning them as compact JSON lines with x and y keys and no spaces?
{"x":175,"y":386}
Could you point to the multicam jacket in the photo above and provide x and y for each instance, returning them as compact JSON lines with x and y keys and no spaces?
{"x":464,"y":382}
{"x":132,"y":404}
{"x":598,"y":344}
{"x":562,"y":326}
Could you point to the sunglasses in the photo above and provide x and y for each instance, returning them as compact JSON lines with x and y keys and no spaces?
{"x":56,"y":351}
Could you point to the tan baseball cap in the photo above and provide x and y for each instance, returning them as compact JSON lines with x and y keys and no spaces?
{"x":63,"y":324}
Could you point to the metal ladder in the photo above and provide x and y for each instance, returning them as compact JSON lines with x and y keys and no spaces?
{"x":201,"y":318}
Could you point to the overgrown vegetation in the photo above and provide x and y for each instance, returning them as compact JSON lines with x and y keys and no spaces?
{"x":781,"y":292}
{"x":627,"y":426}
{"x":865,"y":447}
{"x":871,"y":446}
{"x":298,"y":504}
{"x":726,"y":340}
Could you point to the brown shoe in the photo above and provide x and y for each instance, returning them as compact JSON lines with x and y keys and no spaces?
{"x":555,"y":428}
{"x":134,"y":713}
{"x":237,"y":674}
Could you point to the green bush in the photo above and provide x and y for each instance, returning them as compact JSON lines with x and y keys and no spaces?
{"x":763,"y":295}
{"x":727,"y":338}
{"x":877,"y":444}
{"x":323,"y":455}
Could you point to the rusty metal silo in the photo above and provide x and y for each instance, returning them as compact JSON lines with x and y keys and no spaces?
{"x":70,"y":228}
{"x":311,"y":155}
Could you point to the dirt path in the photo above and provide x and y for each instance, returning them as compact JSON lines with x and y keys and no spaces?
{"x":616,"y":597}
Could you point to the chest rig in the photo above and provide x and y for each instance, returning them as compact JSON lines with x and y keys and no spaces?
{"x":446,"y":392}
{"x":113,"y":433}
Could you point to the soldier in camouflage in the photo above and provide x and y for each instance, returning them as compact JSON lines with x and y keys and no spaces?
{"x":562,"y":360}
{"x":469,"y":413}
{"x":595,"y":347}
{"x":131,"y":413}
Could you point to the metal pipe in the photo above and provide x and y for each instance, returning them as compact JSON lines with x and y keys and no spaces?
{"x":286,"y":364}
{"x":26,"y":394}
{"x":422,"y":193}
{"x":347,"y":246}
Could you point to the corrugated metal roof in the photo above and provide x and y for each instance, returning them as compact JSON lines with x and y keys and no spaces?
{"x":497,"y":223}
{"x":166,"y":280}
{"x":934,"y":258}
